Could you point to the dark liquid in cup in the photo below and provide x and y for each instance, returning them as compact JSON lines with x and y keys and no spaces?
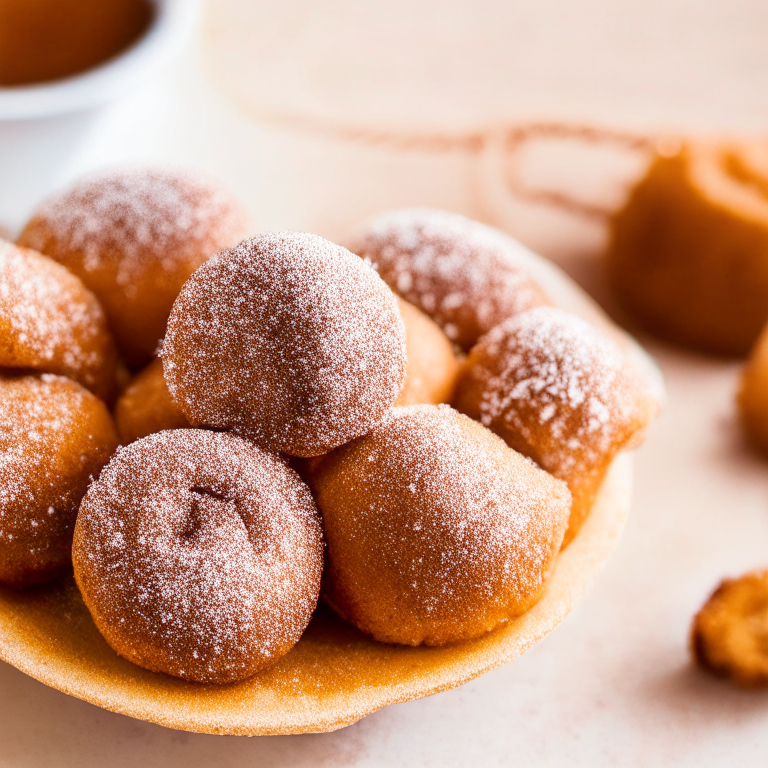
{"x":44,"y":40}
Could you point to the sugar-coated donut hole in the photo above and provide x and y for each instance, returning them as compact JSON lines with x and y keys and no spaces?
{"x":146,"y":406}
{"x":55,"y":436}
{"x":287,"y":339}
{"x":436,"y":530}
{"x":562,"y":392}
{"x":199,"y":555}
{"x":461,"y":273}
{"x":133,"y":237}
{"x":51,"y":323}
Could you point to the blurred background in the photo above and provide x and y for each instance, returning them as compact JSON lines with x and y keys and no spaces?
{"x":318,"y":115}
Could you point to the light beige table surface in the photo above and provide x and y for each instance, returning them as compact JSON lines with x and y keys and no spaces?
{"x":613,"y":685}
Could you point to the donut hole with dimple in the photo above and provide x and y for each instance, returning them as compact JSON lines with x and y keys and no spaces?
{"x":199,"y":555}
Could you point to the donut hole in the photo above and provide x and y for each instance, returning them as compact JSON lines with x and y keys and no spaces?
{"x":436,"y":530}
{"x":199,"y":555}
{"x":55,"y":436}
{"x":51,"y":323}
{"x":560,"y":391}
{"x":466,"y":276}
{"x":288,"y":340}
{"x":134,"y":237}
{"x":145,"y":406}
{"x":730,"y":633}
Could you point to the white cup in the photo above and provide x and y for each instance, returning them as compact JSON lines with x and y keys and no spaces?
{"x":41,"y":125}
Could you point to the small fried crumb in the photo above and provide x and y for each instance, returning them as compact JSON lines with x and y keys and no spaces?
{"x":729,"y":636}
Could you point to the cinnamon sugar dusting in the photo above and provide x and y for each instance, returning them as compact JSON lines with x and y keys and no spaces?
{"x":437,"y":531}
{"x":36,"y":414}
{"x":465,"y":275}
{"x":126,"y":218}
{"x":49,"y":321}
{"x":199,"y":555}
{"x":287,"y":339}
{"x":560,"y":383}
{"x":55,"y":436}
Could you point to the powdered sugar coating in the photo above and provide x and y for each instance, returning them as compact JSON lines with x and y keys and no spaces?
{"x":134,"y":237}
{"x":558,"y":375}
{"x":463,"y":274}
{"x":50,"y":322}
{"x":436,"y":530}
{"x":288,"y":339}
{"x":55,"y":436}
{"x":559,"y":390}
{"x":199,"y":555}
{"x":171,"y":214}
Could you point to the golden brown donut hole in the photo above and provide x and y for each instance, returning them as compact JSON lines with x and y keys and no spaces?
{"x":560,"y":391}
{"x":146,"y":406}
{"x":55,"y":436}
{"x":688,"y":252}
{"x":50,"y":322}
{"x":436,"y":530}
{"x":199,"y":555}
{"x":287,"y":339}
{"x":432,"y":366}
{"x":134,"y":237}
{"x":463,"y":274}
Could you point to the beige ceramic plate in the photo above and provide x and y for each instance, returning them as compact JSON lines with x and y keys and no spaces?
{"x":335,"y":675}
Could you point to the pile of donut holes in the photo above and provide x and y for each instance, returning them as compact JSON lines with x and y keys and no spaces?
{"x":407,"y":426}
